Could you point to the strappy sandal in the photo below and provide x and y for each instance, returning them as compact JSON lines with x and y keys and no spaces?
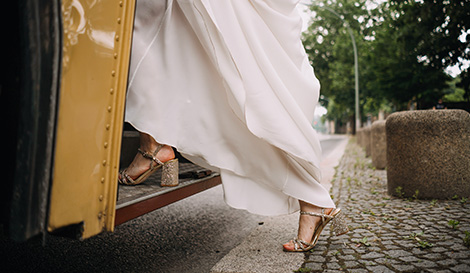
{"x":339,"y":228}
{"x":169,"y":171}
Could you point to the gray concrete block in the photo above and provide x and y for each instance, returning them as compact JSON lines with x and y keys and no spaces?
{"x":367,"y":140}
{"x":378,"y":145}
{"x":360,"y":137}
{"x":428,"y":152}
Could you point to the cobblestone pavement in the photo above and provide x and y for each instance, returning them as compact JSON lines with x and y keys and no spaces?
{"x":390,"y":234}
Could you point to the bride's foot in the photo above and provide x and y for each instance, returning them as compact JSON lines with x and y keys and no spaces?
{"x":307,"y":227}
{"x":311,"y":223}
{"x":141,"y":166}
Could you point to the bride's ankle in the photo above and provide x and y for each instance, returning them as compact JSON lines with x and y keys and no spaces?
{"x":307,"y":207}
{"x":147,"y":143}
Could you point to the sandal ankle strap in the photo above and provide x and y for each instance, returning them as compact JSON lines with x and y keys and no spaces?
{"x":153,"y":156}
{"x":322,"y":214}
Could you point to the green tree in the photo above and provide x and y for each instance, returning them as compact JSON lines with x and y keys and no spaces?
{"x":442,"y":33}
{"x":399,"y":73}
{"x":393,"y":68}
{"x":329,"y":46}
{"x":454,"y":93}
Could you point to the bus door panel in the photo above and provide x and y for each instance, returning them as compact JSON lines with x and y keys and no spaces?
{"x":95,"y":60}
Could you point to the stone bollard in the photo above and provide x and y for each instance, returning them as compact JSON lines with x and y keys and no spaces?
{"x":428,"y":154}
{"x":378,"y":145}
{"x":366,"y":140}
{"x":359,"y":136}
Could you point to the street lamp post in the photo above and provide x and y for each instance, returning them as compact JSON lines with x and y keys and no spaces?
{"x":356,"y":65}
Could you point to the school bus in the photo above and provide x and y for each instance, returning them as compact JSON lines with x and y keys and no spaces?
{"x":62,"y":101}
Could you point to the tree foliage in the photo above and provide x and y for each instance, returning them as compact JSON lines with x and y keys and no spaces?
{"x":442,"y":28}
{"x":404,"y":48}
{"x":440,"y":32}
{"x":399,"y":72}
{"x":329,"y":45}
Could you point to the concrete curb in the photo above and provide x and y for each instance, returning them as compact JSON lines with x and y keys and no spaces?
{"x":262,"y":251}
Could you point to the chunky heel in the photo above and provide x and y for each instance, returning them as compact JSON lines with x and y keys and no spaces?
{"x":170,"y":173}
{"x":339,"y":224}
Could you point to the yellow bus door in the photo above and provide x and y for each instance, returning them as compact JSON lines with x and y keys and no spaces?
{"x":95,"y":59}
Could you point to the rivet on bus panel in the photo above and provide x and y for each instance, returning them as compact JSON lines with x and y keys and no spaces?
{"x":109,"y":108}
{"x":117,"y":38}
{"x":100,"y":215}
{"x":113,"y":73}
{"x":102,"y":180}
{"x":108,"y":126}
{"x":120,"y":3}
{"x":106,"y":145}
{"x":101,"y":197}
{"x":115,"y":55}
{"x":111,"y":91}
{"x":119,"y":20}
{"x":104,"y":162}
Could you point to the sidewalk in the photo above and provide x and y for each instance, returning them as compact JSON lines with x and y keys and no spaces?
{"x":390,"y":234}
{"x":387,"y":234}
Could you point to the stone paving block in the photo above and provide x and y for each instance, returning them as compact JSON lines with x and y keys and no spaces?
{"x":379,"y":269}
{"x":359,"y":270}
{"x":372,"y":255}
{"x":351,"y":264}
{"x":401,"y":253}
{"x":378,"y":144}
{"x":314,"y":266}
{"x":333,"y":265}
{"x":404,"y":267}
{"x":447,"y":262}
{"x":428,"y":154}
{"x":461,"y":268}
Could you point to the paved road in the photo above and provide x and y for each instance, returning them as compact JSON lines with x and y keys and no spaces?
{"x":188,"y":236}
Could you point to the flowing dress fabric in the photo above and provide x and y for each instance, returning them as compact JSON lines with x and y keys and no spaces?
{"x":228,"y":83}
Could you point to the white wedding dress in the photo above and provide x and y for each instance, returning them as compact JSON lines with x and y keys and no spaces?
{"x":229,"y":85}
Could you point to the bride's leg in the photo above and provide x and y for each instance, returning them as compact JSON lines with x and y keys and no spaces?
{"x":147,"y":144}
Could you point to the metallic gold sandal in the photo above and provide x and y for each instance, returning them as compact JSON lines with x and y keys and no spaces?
{"x":339,"y":228}
{"x":169,"y":171}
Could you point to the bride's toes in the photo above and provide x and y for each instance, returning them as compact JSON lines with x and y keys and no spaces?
{"x":289,"y":246}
